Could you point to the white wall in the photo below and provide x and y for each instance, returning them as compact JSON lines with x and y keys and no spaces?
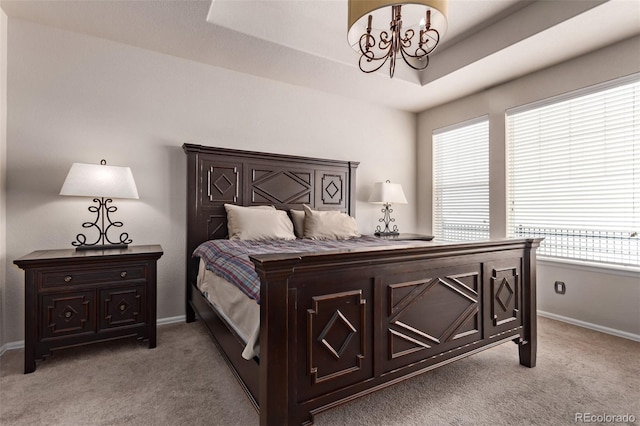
{"x":3,"y":169}
{"x":75,"y":98}
{"x":586,"y":289}
{"x":602,"y":298}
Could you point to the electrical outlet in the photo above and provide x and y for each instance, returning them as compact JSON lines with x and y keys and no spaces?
{"x":560,"y":287}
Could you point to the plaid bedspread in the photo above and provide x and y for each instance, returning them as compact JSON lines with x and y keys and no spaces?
{"x":229,"y":259}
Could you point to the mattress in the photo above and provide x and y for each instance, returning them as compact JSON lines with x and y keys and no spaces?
{"x":240,"y":312}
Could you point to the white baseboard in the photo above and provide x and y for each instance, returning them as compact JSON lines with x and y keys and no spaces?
{"x":162,"y":321}
{"x":11,"y":345}
{"x":591,"y":326}
{"x":172,"y":320}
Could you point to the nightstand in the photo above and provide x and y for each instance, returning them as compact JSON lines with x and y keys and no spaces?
{"x":407,"y":237}
{"x":77,"y":297}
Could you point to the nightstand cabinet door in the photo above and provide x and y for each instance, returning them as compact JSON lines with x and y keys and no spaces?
{"x":122,"y":306}
{"x":67,"y":313}
{"x":77,"y":297}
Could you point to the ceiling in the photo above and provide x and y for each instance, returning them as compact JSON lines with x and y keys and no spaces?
{"x":304,"y":42}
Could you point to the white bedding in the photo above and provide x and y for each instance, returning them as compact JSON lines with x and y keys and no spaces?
{"x":239,"y":311}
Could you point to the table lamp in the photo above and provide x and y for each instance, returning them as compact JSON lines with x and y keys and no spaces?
{"x":387,"y":193}
{"x":103,"y":183}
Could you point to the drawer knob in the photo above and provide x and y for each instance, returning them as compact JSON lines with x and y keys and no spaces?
{"x":67,"y":314}
{"x":67,"y":278}
{"x":122,"y":307}
{"x":123,"y":274}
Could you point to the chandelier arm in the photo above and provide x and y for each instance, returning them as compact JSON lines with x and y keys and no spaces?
{"x":424,"y":58}
{"x":366,"y":42}
{"x":418,"y":54}
{"x":406,"y":40}
{"x":383,"y":60}
{"x":368,"y":56}
{"x":385,"y":42}
{"x":425,"y":41}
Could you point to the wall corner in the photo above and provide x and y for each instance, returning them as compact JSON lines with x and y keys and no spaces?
{"x":3,"y":168}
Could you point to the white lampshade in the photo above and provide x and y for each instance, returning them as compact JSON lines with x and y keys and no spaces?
{"x":99,"y":180}
{"x":387,"y":193}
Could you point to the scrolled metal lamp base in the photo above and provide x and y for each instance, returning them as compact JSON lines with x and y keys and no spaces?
{"x":386,"y":219}
{"x":102,"y":224}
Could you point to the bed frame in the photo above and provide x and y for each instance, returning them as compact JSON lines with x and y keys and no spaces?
{"x":338,"y":325}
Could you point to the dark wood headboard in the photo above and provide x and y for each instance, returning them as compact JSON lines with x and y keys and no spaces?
{"x":218,"y":176}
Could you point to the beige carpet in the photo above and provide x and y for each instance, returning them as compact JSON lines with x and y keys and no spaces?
{"x":184,"y":381}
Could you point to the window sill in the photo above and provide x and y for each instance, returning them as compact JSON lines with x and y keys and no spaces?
{"x":602,"y":268}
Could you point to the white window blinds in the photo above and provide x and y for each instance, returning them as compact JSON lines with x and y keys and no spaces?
{"x":461,"y":181}
{"x":574,"y":173}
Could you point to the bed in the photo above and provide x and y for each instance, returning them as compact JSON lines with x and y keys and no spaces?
{"x":337,"y":325}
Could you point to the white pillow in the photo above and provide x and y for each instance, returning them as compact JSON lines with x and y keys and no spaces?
{"x":258,"y":223}
{"x":328,"y":225}
{"x":297,"y":216}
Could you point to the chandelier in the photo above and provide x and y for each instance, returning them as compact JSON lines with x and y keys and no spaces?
{"x":413,"y":33}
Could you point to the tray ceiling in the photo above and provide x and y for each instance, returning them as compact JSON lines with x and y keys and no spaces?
{"x":304,"y":42}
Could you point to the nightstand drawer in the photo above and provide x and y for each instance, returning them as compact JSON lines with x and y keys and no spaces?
{"x":69,"y":277}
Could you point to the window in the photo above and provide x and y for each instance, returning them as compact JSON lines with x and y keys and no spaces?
{"x":574,"y":172}
{"x":461,"y":181}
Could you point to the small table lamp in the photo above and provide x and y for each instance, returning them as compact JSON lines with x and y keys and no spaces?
{"x":387,"y":193}
{"x":104,"y":183}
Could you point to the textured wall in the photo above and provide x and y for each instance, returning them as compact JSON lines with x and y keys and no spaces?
{"x":74,"y":98}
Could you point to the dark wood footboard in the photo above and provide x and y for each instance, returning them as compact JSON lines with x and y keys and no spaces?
{"x":336,"y":326}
